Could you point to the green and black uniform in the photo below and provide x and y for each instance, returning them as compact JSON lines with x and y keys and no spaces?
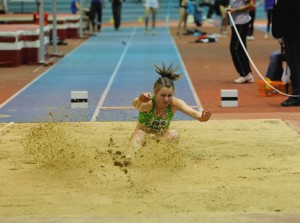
{"x":154,"y":123}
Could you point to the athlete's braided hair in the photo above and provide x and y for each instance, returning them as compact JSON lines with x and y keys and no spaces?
{"x":168,"y":75}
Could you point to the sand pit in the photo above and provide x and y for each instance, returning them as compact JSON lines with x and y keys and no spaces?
{"x":229,"y":166}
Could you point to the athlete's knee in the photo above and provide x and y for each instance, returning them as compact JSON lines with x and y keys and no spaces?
{"x":172,"y":134}
{"x":138,"y":135}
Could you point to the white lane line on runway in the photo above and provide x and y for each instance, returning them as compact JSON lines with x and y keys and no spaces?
{"x":36,"y":79}
{"x":199,"y":105}
{"x":9,"y":124}
{"x":38,"y":68}
{"x":105,"y":92}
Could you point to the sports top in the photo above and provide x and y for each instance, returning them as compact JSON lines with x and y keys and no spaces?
{"x":152,"y":122}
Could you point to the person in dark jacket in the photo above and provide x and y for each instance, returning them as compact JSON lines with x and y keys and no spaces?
{"x":286,"y":23}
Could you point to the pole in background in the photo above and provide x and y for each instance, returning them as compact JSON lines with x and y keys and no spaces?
{"x":81,"y":20}
{"x":54,"y":27}
{"x":54,"y":30}
{"x":41,"y":52}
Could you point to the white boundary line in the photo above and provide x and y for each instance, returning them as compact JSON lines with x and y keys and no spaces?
{"x":105,"y":92}
{"x":37,"y":78}
{"x":9,"y":124}
{"x":38,"y":68}
{"x":199,"y":105}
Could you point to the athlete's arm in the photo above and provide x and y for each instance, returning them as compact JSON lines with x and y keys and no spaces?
{"x":201,"y":115}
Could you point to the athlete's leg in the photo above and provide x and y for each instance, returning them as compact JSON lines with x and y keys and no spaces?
{"x":135,"y":144}
{"x":172,"y":135}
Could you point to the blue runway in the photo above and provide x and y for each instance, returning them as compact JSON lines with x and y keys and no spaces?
{"x":113,"y":67}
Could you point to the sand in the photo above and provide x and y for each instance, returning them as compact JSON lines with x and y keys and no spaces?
{"x":228,"y":166}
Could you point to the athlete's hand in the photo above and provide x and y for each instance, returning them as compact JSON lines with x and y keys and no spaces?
{"x":145,"y":97}
{"x":205,"y":116}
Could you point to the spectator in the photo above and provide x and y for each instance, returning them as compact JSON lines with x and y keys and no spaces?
{"x":252,"y":14}
{"x":150,"y":6}
{"x":75,"y":6}
{"x":96,"y":10}
{"x":183,"y":15}
{"x":269,"y":6}
{"x":240,"y":15}
{"x":220,"y":9}
{"x":275,"y":68}
{"x":116,"y":10}
{"x":210,"y":5}
{"x":286,"y":23}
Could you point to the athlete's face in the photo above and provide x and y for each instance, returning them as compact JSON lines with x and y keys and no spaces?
{"x":164,"y":96}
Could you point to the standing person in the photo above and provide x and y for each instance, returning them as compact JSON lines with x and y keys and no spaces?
{"x":252,"y":14}
{"x":116,"y":6}
{"x":183,"y":15}
{"x":268,"y":6}
{"x":240,"y":14}
{"x":96,"y":10}
{"x":286,"y":23}
{"x":210,"y":7}
{"x":75,"y":6}
{"x":220,"y":9}
{"x":150,"y":6}
{"x":156,"y":112}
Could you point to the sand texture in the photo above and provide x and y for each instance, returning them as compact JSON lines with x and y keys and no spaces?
{"x":241,"y":166}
